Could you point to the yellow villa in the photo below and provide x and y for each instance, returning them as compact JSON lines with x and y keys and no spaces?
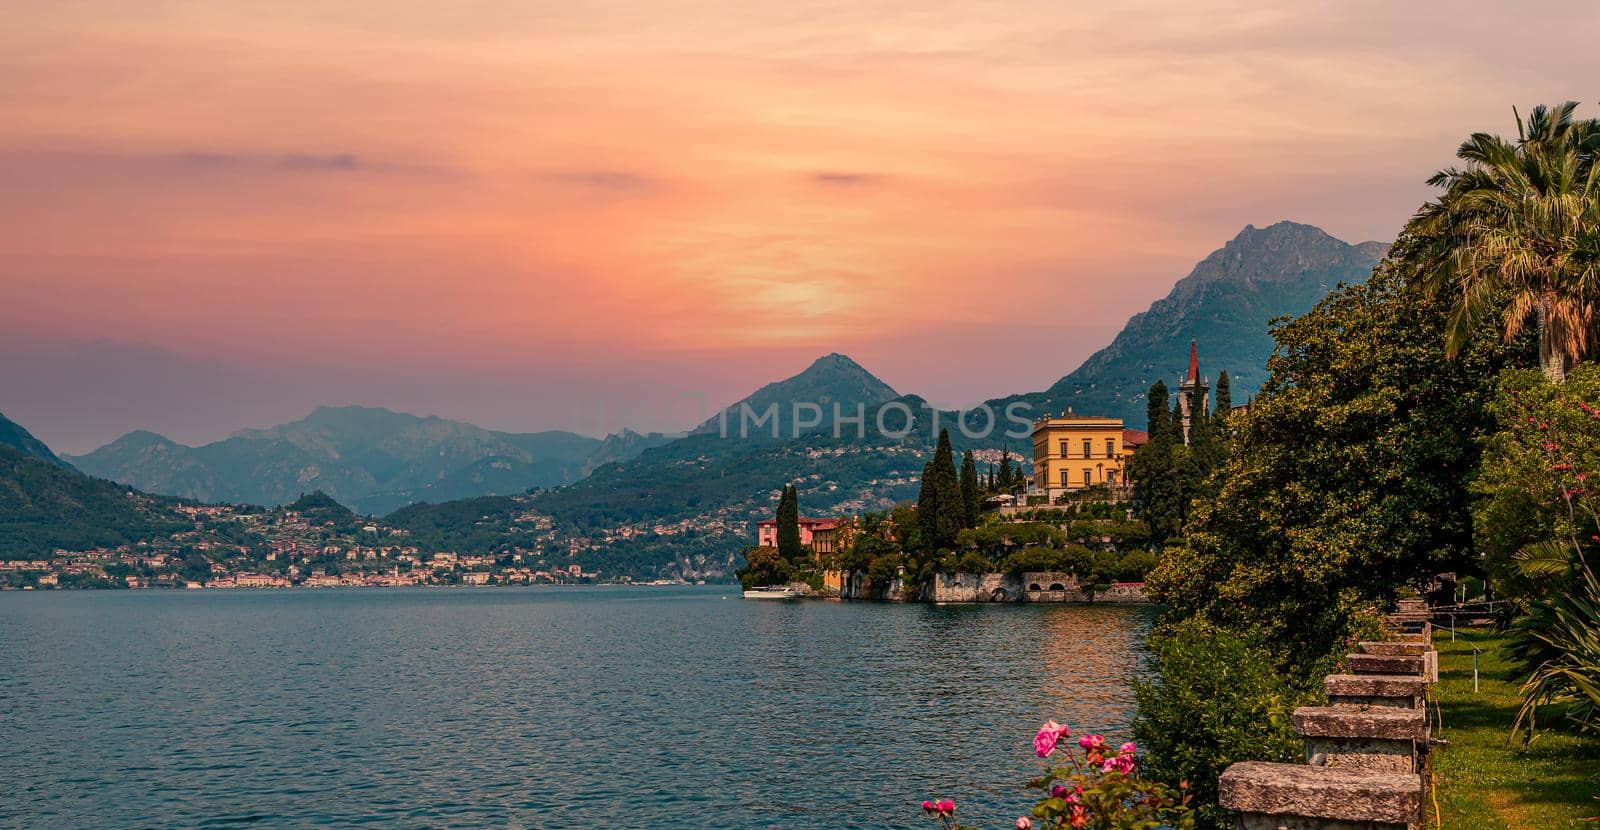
{"x":1072,"y":452}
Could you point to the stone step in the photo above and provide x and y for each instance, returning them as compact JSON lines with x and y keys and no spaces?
{"x":1391,"y":647}
{"x":1404,"y":605}
{"x":1376,"y":738}
{"x":1399,"y":690}
{"x":1293,"y":796}
{"x":1410,"y":664}
{"x":1379,"y":722}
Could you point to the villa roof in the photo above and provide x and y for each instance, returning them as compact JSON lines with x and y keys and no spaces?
{"x":1135,"y":437}
{"x":814,"y":524}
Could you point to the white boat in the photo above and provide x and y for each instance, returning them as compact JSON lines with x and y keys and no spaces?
{"x":772,"y":592}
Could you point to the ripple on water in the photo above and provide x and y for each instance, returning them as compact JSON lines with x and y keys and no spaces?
{"x":537,"y":708}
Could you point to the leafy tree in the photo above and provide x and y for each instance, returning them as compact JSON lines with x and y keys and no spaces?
{"x":789,"y":525}
{"x":1516,"y":234}
{"x":996,"y":539}
{"x":973,"y":562}
{"x":764,"y":566}
{"x":1349,"y":475}
{"x":1539,"y":527}
{"x":969,"y":491}
{"x":1536,"y":515}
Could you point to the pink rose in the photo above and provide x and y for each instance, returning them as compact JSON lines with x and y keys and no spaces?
{"x":1023,"y":823}
{"x":1092,"y":742}
{"x":1129,"y":748}
{"x":947,"y":807}
{"x":1049,"y":735}
{"x":1058,"y":791}
{"x":928,"y":806}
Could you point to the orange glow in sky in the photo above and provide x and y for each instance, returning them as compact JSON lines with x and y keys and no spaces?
{"x":968,"y":197}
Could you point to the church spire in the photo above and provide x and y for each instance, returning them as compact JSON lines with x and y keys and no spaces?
{"x":1194,"y":363}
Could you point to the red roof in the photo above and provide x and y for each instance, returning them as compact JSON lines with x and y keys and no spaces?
{"x":1194,"y":362}
{"x":1134,"y":437}
{"x":814,"y":524}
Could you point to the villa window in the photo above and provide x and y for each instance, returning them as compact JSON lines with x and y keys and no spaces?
{"x":1065,"y":481}
{"x":1064,"y":451}
{"x":1088,"y":477}
{"x":1111,"y":448}
{"x":1111,"y":477}
{"x":1087,"y":452}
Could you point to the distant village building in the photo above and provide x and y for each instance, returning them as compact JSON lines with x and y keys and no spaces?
{"x":1193,"y":392}
{"x":1073,"y":452}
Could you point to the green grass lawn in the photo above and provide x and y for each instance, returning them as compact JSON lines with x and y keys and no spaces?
{"x":1486,"y":783}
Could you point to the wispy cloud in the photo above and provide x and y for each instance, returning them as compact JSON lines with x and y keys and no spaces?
{"x":294,"y":162}
{"x":598,"y":179}
{"x":833,"y":178}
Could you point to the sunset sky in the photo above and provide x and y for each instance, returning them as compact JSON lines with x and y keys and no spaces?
{"x":220,"y":214}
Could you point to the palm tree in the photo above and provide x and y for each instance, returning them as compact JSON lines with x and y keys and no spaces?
{"x":1518,"y":231}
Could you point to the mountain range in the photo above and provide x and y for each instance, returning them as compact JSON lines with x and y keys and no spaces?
{"x":711,"y":483}
{"x":372,"y":459}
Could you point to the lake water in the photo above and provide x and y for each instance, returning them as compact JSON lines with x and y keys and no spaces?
{"x":537,"y":708}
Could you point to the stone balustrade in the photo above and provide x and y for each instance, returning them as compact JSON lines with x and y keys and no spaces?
{"x":1366,"y":751}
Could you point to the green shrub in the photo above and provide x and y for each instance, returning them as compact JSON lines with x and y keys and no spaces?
{"x":884,"y":569}
{"x":1558,"y":646}
{"x":974,"y":563}
{"x":1218,"y":701}
{"x":1134,"y":565}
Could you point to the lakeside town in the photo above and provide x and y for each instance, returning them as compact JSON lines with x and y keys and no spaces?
{"x":314,"y":543}
{"x":1058,"y":526}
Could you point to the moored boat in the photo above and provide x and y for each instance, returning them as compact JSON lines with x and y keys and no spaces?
{"x":772,"y":592}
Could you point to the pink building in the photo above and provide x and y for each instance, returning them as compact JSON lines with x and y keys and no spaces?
{"x":820,"y":534}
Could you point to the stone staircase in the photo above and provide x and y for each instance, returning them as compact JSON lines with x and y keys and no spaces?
{"x":1366,"y":751}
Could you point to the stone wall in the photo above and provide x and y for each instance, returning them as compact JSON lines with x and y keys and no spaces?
{"x":963,"y":587}
{"x":1046,"y":587}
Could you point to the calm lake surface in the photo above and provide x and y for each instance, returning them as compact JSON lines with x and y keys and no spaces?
{"x":537,"y":708}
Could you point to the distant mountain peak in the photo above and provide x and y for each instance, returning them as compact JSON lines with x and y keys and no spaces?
{"x":317,"y":500}
{"x":831,"y":379}
{"x":1224,"y":305}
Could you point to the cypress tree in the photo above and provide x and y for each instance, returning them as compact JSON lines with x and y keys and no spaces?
{"x":951,"y":507}
{"x":927,"y":508}
{"x":1224,"y":397}
{"x":1006,"y":482}
{"x":789,"y":525}
{"x":969,"y":490}
{"x":1155,"y":471}
{"x":1155,"y":417}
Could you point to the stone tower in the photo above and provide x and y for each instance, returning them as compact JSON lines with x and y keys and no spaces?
{"x":1193,"y":392}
